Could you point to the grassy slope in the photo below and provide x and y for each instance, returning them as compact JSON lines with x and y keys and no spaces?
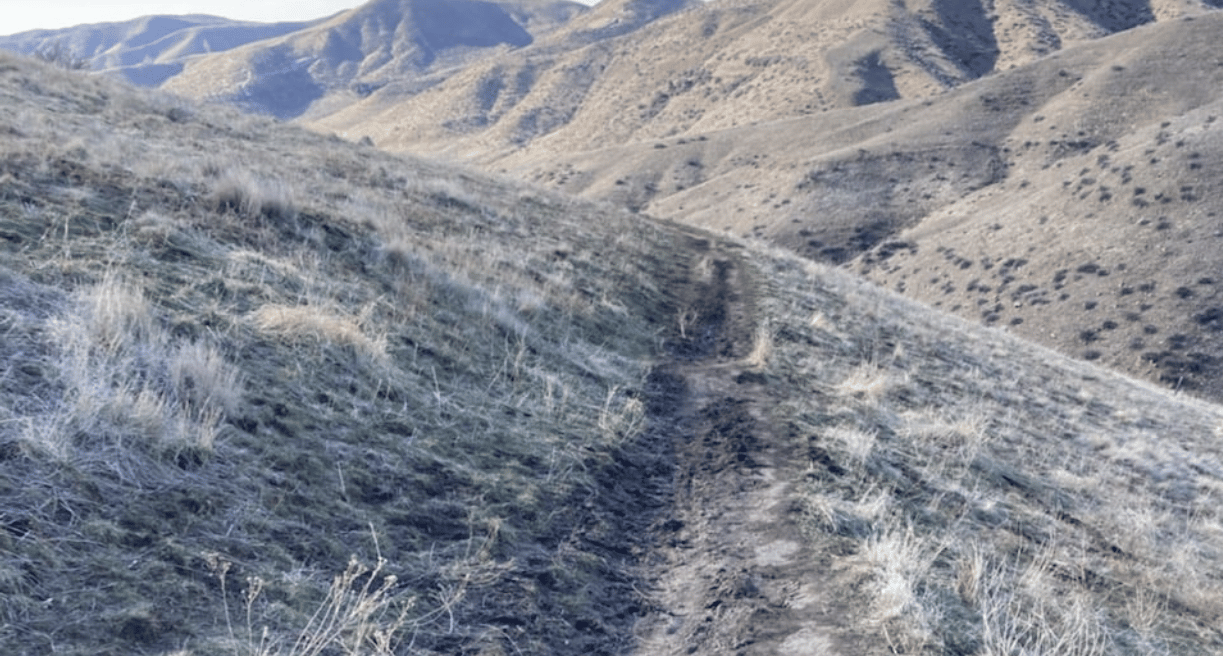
{"x":237,"y":348}
{"x":447,"y":372}
{"x":971,"y":493}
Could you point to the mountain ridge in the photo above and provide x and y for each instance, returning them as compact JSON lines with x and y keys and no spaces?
{"x":363,"y":49}
{"x":151,"y":49}
{"x":730,"y":63}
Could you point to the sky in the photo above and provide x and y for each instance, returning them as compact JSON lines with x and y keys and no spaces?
{"x":21,"y":15}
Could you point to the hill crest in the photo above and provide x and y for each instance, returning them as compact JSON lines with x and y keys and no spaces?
{"x":364,"y":49}
{"x":149,"y":50}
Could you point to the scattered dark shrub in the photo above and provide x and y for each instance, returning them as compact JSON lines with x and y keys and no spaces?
{"x":58,"y":54}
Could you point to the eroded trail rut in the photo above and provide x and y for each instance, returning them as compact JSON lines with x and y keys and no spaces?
{"x":729,"y":571}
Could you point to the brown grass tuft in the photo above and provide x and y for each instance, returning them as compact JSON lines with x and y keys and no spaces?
{"x":251,"y":196}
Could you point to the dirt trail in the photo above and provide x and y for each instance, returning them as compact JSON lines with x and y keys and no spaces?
{"x":730,"y":572}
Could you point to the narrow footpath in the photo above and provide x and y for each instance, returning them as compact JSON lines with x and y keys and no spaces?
{"x":729,"y":571}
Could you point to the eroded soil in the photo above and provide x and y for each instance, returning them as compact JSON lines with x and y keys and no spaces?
{"x":730,"y":572}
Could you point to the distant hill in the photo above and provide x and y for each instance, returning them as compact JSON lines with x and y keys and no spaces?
{"x":700,"y":67}
{"x":283,"y":69}
{"x":1071,"y":200}
{"x":149,"y":50}
{"x":338,"y":61}
{"x":504,"y":101}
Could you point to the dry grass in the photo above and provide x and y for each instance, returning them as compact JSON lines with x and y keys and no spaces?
{"x":308,"y":322}
{"x":894,"y":565}
{"x":991,"y":496}
{"x":866,"y":381}
{"x":360,"y":615}
{"x":204,"y":379}
{"x":762,"y":348}
{"x":124,"y":377}
{"x":438,"y":373}
{"x":253,"y":197}
{"x":204,"y":363}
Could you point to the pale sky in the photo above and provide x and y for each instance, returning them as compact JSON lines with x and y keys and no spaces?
{"x":21,"y":15}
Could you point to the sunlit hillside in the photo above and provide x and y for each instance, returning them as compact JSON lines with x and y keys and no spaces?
{"x":269,"y":392}
{"x":237,"y":354}
{"x":1072,"y":200}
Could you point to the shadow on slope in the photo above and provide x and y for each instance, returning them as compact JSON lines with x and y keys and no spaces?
{"x":964,"y":31}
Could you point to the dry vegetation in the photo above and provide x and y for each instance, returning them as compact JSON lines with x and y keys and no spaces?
{"x":1071,"y":200}
{"x":974,"y":494}
{"x":236,"y":356}
{"x":920,"y":143}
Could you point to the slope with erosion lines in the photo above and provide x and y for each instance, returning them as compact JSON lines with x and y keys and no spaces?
{"x":730,"y":63}
{"x":1097,"y":157}
{"x":361,"y":50}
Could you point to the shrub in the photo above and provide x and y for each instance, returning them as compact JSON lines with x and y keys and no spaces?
{"x":252,"y":197}
{"x":123,"y":376}
{"x":58,"y":54}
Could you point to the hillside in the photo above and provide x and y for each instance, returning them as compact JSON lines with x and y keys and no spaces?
{"x":341,"y":60}
{"x":917,"y":144}
{"x":149,"y":50}
{"x":702,"y":67}
{"x":238,"y":353}
{"x":1104,"y":233}
{"x":1090,"y":162}
{"x":924,"y":146}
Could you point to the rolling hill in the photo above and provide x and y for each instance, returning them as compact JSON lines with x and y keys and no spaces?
{"x":267,"y":391}
{"x":283,"y":69}
{"x":1070,"y":200}
{"x":1081,"y":154}
{"x":149,"y":50}
{"x":357,"y":52}
{"x":723,"y":64}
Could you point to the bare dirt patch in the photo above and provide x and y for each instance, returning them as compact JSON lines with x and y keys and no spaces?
{"x":731,"y":571}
